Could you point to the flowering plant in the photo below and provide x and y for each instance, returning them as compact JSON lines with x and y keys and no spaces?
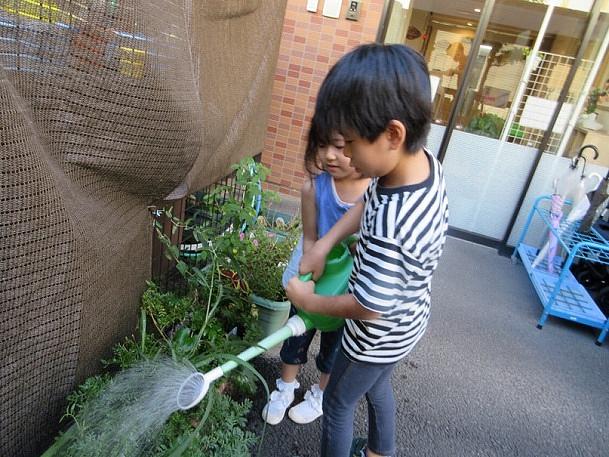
{"x":267,"y":249}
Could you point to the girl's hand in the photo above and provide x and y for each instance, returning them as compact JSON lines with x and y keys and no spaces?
{"x":314,"y":260}
{"x":298,"y":292}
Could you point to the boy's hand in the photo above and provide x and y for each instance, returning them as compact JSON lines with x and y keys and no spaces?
{"x":298,"y":292}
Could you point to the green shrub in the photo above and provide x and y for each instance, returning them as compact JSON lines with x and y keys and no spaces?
{"x":222,"y":435}
{"x":198,"y":326}
{"x":167,"y":308}
{"x":83,"y":393}
{"x":486,"y":124}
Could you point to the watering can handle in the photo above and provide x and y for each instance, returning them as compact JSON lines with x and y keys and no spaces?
{"x":306,"y":277}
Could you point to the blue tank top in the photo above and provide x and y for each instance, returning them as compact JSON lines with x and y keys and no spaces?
{"x":330,"y":208}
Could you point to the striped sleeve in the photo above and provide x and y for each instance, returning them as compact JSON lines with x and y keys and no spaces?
{"x":380,"y":279}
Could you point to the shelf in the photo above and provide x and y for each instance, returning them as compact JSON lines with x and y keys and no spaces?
{"x":573,"y":302}
{"x":560,"y":293}
{"x":528,"y":255}
{"x":592,"y":246}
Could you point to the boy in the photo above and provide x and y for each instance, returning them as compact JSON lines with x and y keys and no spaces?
{"x":378,"y":98}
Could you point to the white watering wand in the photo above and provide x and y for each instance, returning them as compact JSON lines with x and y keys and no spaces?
{"x":334,"y":281}
{"x":195,"y":387}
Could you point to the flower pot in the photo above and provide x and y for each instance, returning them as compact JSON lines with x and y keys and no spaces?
{"x":588,"y":121}
{"x":272,"y":315}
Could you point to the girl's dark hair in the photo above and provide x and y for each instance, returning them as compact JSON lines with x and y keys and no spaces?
{"x":311,"y":152}
{"x":367,"y":88}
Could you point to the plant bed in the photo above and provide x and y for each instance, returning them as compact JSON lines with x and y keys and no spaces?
{"x":196,"y":327}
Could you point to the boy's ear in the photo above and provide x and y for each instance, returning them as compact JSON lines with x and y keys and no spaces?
{"x":396,"y":134}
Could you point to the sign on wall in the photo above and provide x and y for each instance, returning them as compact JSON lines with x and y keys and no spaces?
{"x":537,"y":113}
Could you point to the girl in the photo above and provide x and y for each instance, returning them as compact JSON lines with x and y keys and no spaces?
{"x":325,"y":197}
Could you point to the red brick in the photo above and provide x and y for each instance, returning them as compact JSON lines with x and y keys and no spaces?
{"x":310,"y":43}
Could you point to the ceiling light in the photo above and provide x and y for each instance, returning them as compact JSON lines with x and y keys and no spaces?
{"x":477,"y":10}
{"x":470,"y":24}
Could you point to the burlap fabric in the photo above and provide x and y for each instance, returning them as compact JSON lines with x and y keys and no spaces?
{"x":106,"y":106}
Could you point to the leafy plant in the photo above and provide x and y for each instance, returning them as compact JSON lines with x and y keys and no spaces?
{"x":268,"y":252}
{"x":223,"y":435}
{"x":486,"y":124}
{"x":593,"y":96}
{"x":167,"y":308}
{"x":130,"y":351}
{"x":238,"y":210}
{"x":216,"y":305}
{"x":83,"y":393}
{"x":204,"y":325}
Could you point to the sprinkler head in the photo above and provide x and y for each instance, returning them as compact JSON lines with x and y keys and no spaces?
{"x":192,"y":391}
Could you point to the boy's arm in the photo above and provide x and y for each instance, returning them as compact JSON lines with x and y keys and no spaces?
{"x":302,"y":296}
{"x":314,"y":260}
{"x":308,"y":212}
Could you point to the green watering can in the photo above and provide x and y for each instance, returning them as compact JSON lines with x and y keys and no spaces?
{"x":334,"y":281}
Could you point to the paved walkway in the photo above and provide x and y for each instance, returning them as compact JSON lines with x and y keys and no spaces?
{"x":483,"y":381}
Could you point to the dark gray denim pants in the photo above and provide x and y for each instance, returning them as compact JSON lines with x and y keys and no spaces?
{"x":350,"y":381}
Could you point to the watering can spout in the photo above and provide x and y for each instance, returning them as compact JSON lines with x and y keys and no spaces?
{"x":195,"y":387}
{"x":334,"y":281}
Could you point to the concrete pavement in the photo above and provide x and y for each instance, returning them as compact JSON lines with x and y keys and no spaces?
{"x":483,"y":381}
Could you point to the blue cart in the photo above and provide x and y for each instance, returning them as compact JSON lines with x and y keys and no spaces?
{"x":560,"y":293}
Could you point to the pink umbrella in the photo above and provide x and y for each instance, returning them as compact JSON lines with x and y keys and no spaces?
{"x":555,"y":217}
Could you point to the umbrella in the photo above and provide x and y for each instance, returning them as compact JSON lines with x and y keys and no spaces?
{"x":571,"y":186}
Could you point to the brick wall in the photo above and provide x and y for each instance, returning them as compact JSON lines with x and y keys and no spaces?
{"x":310,"y":44}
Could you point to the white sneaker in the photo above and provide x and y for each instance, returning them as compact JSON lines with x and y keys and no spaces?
{"x":280,"y":400}
{"x":310,"y":408}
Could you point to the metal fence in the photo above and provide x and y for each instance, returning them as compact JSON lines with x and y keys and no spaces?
{"x":193,"y":207}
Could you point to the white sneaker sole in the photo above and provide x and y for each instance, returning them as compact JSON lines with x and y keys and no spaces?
{"x":272,"y":421}
{"x":300,"y":420}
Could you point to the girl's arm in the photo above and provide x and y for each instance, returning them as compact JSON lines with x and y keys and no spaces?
{"x":308,"y":212}
{"x":314,"y":260}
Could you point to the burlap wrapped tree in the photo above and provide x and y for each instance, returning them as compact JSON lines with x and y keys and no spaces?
{"x":106,"y":106}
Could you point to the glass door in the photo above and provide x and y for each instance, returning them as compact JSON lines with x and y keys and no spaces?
{"x":443,"y":32}
{"x":497,"y":69}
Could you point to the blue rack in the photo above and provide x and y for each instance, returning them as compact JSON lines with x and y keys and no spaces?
{"x":560,"y":293}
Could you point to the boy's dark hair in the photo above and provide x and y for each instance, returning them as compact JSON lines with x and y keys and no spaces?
{"x":368,"y":87}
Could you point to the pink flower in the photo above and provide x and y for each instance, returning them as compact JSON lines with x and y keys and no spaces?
{"x":255,"y":242}
{"x":241,"y":236}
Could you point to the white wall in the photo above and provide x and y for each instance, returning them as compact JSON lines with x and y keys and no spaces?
{"x":485,"y":177}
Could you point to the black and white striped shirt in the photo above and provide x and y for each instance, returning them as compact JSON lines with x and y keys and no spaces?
{"x":402,"y":234}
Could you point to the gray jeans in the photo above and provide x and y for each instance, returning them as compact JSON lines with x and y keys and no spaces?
{"x":350,"y":381}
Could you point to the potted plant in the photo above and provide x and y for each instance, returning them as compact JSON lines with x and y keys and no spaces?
{"x":267,"y":249}
{"x":588,"y":120}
